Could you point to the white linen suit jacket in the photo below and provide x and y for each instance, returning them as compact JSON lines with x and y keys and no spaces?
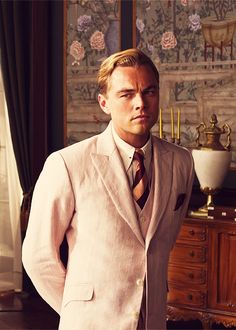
{"x":83,"y":192}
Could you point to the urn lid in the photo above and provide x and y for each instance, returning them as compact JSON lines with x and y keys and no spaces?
{"x":213,"y":129}
{"x":212,"y":135}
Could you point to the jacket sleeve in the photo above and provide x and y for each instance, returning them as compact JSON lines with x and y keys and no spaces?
{"x":51,"y":212}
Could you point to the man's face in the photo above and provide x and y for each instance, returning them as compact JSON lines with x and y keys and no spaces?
{"x":132,"y":100}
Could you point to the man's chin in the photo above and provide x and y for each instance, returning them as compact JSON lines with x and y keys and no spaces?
{"x":143,"y":129}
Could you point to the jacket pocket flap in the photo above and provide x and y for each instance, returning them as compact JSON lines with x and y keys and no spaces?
{"x":81,"y":292}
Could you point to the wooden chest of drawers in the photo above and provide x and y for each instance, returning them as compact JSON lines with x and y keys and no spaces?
{"x":202,"y":273}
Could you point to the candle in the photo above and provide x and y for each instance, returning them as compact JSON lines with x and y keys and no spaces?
{"x":178,"y":125}
{"x":172,"y":124}
{"x":160,"y":124}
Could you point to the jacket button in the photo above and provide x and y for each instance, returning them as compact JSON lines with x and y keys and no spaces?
{"x":139,"y":282}
{"x":142,"y":219}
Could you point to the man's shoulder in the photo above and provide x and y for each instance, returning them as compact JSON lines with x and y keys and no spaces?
{"x":80,"y":145}
{"x":169,"y":146}
{"x":182,"y":157}
{"x":75,"y":152}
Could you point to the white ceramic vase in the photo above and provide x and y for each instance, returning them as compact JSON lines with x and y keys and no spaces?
{"x":211,"y":167}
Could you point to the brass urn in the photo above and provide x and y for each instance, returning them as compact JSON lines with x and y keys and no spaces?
{"x":211,"y":160}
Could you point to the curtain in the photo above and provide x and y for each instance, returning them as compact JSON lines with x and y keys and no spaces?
{"x":16,"y":34}
{"x":31,"y":45}
{"x":10,"y":199}
{"x":29,"y":53}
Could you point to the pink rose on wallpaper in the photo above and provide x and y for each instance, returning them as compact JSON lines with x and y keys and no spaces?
{"x":168,"y":40}
{"x":195,"y":22}
{"x":97,"y":40}
{"x":191,"y":3}
{"x":77,"y":51}
{"x":184,"y":3}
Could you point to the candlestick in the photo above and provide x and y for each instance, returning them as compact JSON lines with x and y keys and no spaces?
{"x":178,"y":125}
{"x":172,"y":124}
{"x":160,"y":125}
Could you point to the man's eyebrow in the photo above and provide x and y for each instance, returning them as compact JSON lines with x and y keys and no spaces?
{"x":131,"y":90}
{"x":125,"y":90}
{"x":150,"y":87}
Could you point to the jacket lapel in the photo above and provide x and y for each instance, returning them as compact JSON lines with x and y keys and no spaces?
{"x":163,"y":172}
{"x":109,"y":165}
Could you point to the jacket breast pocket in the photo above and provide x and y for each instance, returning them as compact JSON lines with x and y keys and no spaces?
{"x":80,"y":292}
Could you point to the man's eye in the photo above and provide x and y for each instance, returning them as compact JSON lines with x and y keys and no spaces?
{"x":150,"y":92}
{"x":126,"y":95}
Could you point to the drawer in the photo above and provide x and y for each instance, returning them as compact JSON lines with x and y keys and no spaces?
{"x":193,"y":233}
{"x":188,"y":254}
{"x":185,"y":297}
{"x":186,"y":275}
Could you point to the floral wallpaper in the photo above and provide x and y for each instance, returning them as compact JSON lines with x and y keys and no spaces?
{"x":92,"y":32}
{"x":176,"y":32}
{"x":172,"y":29}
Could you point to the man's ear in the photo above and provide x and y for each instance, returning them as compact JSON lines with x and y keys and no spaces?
{"x":103,"y":104}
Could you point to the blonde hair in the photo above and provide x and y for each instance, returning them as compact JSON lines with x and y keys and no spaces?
{"x":130,"y":57}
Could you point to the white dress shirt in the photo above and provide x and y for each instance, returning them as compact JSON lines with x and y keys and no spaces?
{"x":127,"y":152}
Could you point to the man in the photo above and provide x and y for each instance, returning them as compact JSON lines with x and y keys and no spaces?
{"x":120,"y":225}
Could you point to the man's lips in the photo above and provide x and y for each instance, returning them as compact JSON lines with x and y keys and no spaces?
{"x":140,"y":117}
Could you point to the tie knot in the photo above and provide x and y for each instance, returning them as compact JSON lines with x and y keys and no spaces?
{"x":138,"y":155}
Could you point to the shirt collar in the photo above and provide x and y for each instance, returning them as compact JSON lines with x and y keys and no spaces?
{"x":127,"y":151}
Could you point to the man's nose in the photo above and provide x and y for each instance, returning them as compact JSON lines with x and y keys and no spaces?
{"x":139,"y":101}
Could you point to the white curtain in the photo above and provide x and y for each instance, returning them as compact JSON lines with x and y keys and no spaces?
{"x":10,"y":201}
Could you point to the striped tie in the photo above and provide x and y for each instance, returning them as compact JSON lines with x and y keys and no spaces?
{"x":140,"y":185}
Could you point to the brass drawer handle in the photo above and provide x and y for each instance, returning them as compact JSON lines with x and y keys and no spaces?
{"x":230,"y":305}
{"x":203,"y":235}
{"x":191,"y":232}
{"x":192,"y":254}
